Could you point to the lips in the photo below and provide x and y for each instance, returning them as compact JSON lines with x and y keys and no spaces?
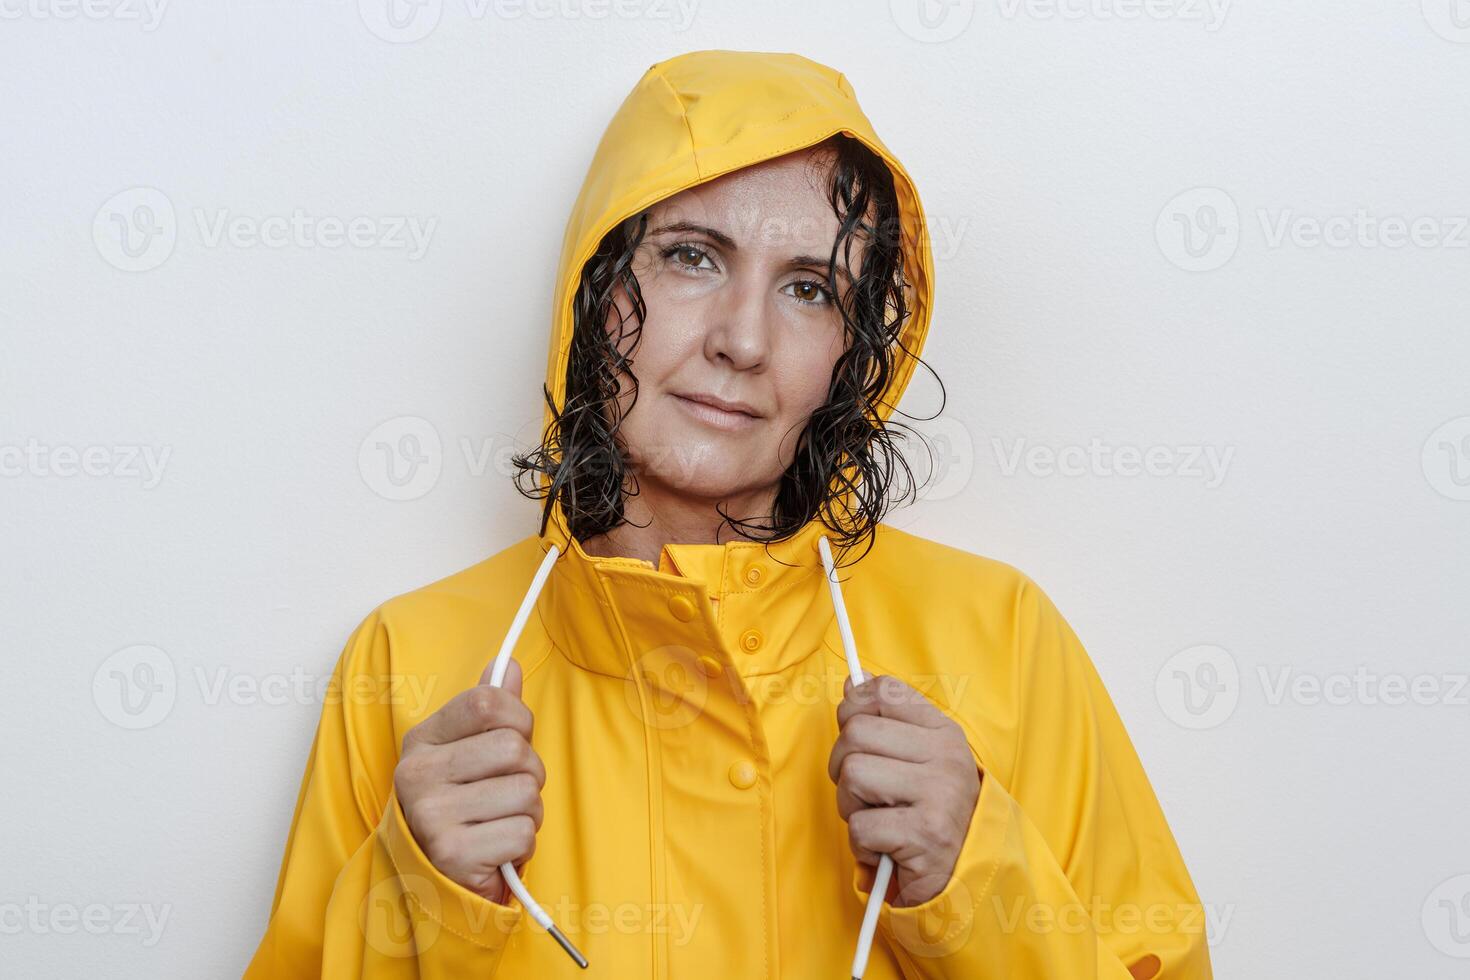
{"x":717,"y":412}
{"x":722,"y":404}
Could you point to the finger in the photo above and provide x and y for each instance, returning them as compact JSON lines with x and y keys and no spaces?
{"x":873,"y":833}
{"x":480,"y":709}
{"x":889,"y":697}
{"x":857,"y":699}
{"x":901,"y":700}
{"x":867,"y":781}
{"x":512,"y":680}
{"x":877,"y":735}
{"x":495,"y":842}
{"x":494,"y":753}
{"x":493,"y":799}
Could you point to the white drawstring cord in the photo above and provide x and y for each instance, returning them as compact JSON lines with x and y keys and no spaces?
{"x":497,"y":676}
{"x":885,"y":863}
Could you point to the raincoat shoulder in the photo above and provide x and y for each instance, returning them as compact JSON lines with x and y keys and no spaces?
{"x":1068,"y":825}
{"x":355,"y":895}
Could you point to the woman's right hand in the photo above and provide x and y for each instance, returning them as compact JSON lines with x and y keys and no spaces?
{"x":469,"y":783}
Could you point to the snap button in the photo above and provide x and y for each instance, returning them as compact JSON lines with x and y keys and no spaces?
{"x":681,"y":608}
{"x":754,"y":574}
{"x":743,"y":774}
{"x":710,"y":666}
{"x":750,"y":640}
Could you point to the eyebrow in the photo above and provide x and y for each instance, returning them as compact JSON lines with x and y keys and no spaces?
{"x":688,"y":227}
{"x":726,"y":242}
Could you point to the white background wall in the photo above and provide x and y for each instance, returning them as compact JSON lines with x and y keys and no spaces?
{"x":1124,"y":194}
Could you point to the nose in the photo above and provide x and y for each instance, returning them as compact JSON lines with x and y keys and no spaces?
{"x":740,"y":331}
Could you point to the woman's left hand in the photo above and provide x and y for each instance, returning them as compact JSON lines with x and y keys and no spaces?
{"x":907,"y":784}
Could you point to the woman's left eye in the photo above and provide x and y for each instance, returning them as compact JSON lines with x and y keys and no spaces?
{"x":810,"y":291}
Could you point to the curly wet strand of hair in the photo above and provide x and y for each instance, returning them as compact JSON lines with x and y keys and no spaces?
{"x":847,"y":461}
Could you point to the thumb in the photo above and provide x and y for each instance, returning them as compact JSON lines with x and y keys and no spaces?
{"x":512,"y":681}
{"x":848,"y":685}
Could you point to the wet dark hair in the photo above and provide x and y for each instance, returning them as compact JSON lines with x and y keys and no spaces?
{"x":845,"y":450}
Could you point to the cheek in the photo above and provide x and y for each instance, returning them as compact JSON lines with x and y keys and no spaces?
{"x":670,"y":333}
{"x":806,"y":370}
{"x":636,"y":341}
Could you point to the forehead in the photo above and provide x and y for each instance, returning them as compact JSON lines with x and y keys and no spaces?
{"x":781,"y":203}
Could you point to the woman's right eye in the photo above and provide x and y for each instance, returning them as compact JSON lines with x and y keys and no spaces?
{"x":689,"y":256}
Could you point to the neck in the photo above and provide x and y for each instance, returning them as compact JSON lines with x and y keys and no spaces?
{"x":659,"y":515}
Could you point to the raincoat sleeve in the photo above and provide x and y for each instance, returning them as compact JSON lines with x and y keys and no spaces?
{"x":1068,"y":868}
{"x":355,"y":895}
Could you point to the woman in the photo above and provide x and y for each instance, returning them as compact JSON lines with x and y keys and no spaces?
{"x":676,"y":765}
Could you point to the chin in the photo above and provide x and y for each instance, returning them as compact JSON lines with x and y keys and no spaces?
{"x":698,"y":459}
{"x":705,"y":468}
{"x":703,"y":481}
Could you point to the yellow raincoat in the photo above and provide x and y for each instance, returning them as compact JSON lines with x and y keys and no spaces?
{"x":685,"y":713}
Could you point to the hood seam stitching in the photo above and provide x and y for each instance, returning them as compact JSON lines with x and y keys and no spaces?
{"x":683,"y":115}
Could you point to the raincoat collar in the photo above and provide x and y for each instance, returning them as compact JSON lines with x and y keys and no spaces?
{"x":712,"y":601}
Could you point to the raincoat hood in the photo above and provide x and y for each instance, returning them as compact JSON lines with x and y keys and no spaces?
{"x":702,"y":115}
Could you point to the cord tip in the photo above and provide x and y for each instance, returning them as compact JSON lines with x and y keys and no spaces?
{"x":566,"y":944}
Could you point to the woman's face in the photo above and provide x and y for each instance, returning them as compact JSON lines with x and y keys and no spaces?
{"x":733,"y":276}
